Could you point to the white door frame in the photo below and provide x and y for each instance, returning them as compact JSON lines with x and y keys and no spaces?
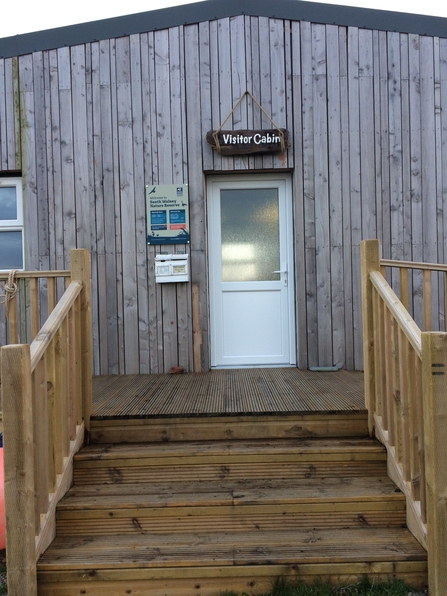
{"x":284,"y":184}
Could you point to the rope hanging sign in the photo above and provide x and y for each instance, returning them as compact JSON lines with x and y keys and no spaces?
{"x":243,"y":142}
{"x":11,"y":290}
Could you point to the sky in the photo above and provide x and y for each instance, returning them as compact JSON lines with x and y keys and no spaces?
{"x":36,"y":15}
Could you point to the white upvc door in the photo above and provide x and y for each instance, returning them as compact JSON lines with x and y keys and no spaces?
{"x":251,"y":271}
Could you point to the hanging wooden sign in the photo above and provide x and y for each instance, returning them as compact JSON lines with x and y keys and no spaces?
{"x":244,"y":142}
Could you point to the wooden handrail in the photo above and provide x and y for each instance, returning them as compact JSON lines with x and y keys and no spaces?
{"x":427,"y":270}
{"x":46,"y":395}
{"x":31,"y":304}
{"x":36,"y":274}
{"x":406,"y":397}
{"x":53,"y":323}
{"x":400,"y":314}
{"x":413,"y":265}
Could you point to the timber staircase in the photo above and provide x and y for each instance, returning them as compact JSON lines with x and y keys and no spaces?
{"x":193,"y":517}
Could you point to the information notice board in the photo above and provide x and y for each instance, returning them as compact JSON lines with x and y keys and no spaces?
{"x":167,"y":211}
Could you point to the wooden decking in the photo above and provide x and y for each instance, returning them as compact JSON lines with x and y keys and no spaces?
{"x":192,"y":518}
{"x":227,"y":392}
{"x":198,"y":483}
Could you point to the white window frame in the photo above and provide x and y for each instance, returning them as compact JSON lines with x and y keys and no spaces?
{"x":14,"y":225}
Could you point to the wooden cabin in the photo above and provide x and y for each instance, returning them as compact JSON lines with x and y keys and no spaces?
{"x":93,"y":115}
{"x":193,"y":187}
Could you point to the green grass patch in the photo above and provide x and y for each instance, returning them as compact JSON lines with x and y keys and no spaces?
{"x":366,"y":587}
{"x":2,"y":572}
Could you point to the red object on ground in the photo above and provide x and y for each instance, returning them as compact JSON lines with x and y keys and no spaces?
{"x":2,"y":503}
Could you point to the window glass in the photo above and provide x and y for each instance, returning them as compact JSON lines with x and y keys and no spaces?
{"x":11,"y":224}
{"x":11,"y":249}
{"x":8,"y":202}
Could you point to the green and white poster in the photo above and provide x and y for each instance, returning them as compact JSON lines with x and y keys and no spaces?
{"x":167,"y":209}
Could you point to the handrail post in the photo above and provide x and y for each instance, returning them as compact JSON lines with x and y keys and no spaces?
{"x":18,"y":429}
{"x":80,"y":270}
{"x":434,"y":386}
{"x":370,"y":260}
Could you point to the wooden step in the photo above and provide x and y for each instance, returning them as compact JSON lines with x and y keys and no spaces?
{"x":350,"y":423}
{"x":162,"y":564}
{"x":206,"y":461}
{"x":101,"y":509}
{"x":250,"y":450}
{"x":192,"y":518}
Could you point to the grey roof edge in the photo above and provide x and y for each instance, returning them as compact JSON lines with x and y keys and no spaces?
{"x":296,"y":10}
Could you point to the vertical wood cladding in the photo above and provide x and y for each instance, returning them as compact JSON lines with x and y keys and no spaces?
{"x":90,"y":125}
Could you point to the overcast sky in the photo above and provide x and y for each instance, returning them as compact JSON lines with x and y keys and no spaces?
{"x":35,"y":15}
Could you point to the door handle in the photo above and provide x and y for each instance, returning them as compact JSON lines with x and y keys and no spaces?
{"x":282,"y":271}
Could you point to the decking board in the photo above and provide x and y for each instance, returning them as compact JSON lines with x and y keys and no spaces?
{"x":227,"y":391}
{"x":238,"y":524}
{"x":300,"y":449}
{"x":315,"y":546}
{"x":175,"y":494}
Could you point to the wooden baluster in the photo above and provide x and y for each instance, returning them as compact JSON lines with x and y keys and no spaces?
{"x":13,"y":322}
{"x":65,"y":369}
{"x":34,"y":306}
{"x":413,"y":401}
{"x":382,"y":365}
{"x":52,"y":422}
{"x":80,"y":270}
{"x":50,"y":381}
{"x":51,"y":293}
{"x":427,"y":299}
{"x":23,"y":311}
{"x":404,"y":287}
{"x":40,"y":439}
{"x":404,"y":422}
{"x":73,"y":372}
{"x":389,"y":376}
{"x":396,"y":403}
{"x":378,"y":352}
{"x":60,"y":381}
{"x":421,"y":441}
{"x":370,"y":258}
{"x":77,"y":331}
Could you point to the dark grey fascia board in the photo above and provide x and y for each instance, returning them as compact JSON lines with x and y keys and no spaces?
{"x":208,"y":10}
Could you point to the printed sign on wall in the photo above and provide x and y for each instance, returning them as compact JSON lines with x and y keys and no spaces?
{"x":167,"y":209}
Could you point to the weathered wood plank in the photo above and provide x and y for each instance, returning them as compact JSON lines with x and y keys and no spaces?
{"x":345,"y":181}
{"x":278,"y":66}
{"x":355,"y":183}
{"x":40,"y":139}
{"x":196,"y":190}
{"x":29,"y":157}
{"x":395,"y":136}
{"x":309,"y":196}
{"x":3,"y":134}
{"x":335,"y":196}
{"x":322,"y":206}
{"x":298,"y":210}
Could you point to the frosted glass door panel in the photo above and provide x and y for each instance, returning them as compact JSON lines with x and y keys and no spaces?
{"x":250,"y":234}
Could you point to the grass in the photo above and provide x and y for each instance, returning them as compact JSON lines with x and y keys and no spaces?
{"x":2,"y":571}
{"x":283,"y":587}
